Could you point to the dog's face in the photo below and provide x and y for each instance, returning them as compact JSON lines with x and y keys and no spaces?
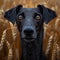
{"x":30,"y":20}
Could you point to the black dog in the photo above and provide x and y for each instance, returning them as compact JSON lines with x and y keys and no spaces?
{"x":30,"y":23}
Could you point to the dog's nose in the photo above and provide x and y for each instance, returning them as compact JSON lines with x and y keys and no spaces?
{"x":28,"y":32}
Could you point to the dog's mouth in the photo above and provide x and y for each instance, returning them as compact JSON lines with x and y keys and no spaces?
{"x":29,"y":39}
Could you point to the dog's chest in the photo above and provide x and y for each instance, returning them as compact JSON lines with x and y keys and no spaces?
{"x":31,"y":51}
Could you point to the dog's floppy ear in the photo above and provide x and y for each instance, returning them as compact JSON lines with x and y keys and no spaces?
{"x":47,"y":14}
{"x":11,"y":14}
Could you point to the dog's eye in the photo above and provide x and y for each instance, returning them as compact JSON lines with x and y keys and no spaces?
{"x":38,"y":17}
{"x":20,"y":17}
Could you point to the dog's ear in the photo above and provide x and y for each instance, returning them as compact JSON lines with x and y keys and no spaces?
{"x":11,"y":14}
{"x":47,"y":14}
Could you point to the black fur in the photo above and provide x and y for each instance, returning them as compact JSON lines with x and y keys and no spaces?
{"x":31,"y":50}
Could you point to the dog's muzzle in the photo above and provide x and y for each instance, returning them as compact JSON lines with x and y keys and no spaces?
{"x":28,"y":34}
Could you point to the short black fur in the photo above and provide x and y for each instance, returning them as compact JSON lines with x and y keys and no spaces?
{"x":30,"y":24}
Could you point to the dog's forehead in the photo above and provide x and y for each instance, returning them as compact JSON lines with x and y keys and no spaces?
{"x":29,"y":10}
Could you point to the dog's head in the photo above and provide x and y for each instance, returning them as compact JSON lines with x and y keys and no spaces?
{"x":29,"y":20}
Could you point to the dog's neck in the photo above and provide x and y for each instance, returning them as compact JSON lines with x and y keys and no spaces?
{"x":33,"y":50}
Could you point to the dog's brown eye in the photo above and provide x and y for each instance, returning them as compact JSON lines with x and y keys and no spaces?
{"x":20,"y":17}
{"x":38,"y":17}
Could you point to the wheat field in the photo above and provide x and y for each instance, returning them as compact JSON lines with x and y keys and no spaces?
{"x":10,"y":45}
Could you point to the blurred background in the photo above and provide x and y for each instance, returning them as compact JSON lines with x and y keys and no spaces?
{"x":10,"y":45}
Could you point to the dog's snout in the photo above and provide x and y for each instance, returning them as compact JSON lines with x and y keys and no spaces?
{"x":28,"y":32}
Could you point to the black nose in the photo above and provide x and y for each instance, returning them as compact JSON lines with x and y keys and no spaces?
{"x":28,"y":32}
